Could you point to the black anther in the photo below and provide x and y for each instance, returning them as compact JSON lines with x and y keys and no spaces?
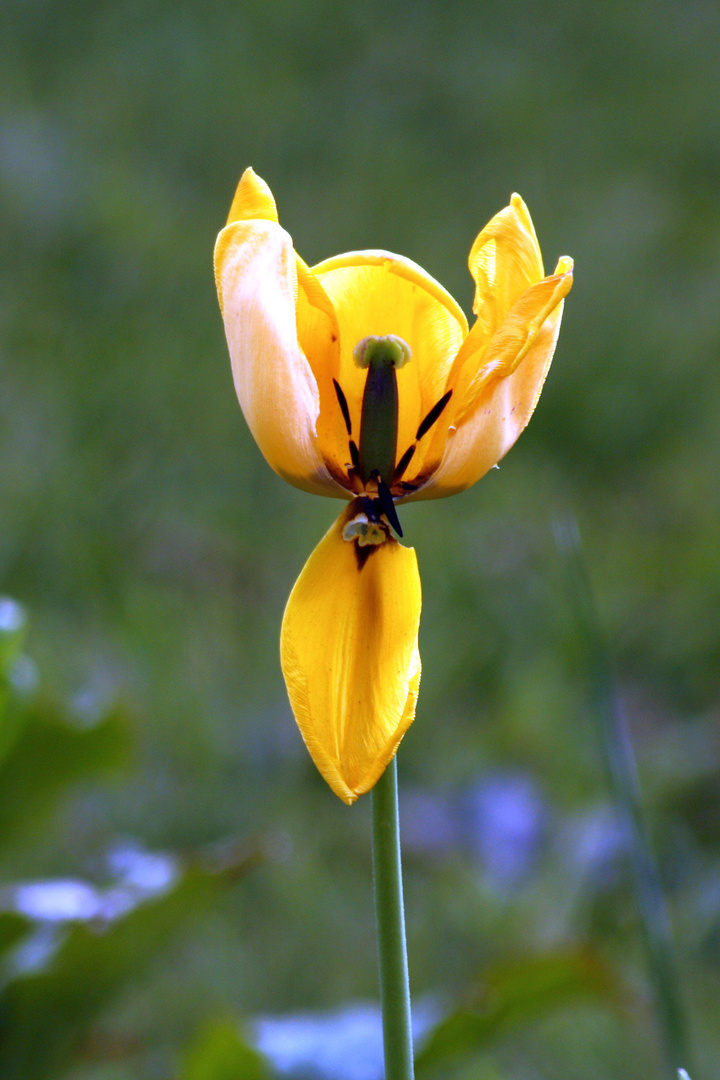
{"x":388,"y":506}
{"x":342,"y":402}
{"x":433,"y":415}
{"x":403,"y":463}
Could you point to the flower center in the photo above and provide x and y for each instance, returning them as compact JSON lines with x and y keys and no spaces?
{"x":374,"y":462}
{"x":366,"y":525}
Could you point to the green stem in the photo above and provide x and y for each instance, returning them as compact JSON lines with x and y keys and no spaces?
{"x":621,"y":770}
{"x":390,"y":916}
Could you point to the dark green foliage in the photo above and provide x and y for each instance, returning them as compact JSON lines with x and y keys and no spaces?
{"x":12,"y":929}
{"x":220,"y":1053}
{"x":511,"y":996}
{"x":48,"y":1008}
{"x":48,"y":755}
{"x":43,"y":1016}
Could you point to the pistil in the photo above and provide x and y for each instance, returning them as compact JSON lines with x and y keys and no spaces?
{"x":382,"y":356}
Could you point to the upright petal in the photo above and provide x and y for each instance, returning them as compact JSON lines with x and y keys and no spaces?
{"x":253,"y":200}
{"x":514,"y":337}
{"x":502,"y":397}
{"x":255,"y":273}
{"x":504,"y":261}
{"x":349,"y":652}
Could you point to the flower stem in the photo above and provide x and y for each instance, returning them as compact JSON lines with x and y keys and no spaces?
{"x":624,"y":785}
{"x":390,"y":916}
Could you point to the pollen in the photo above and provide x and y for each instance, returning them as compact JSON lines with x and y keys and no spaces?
{"x":367,"y":533}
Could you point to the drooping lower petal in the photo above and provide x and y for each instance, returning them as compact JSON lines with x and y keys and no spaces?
{"x":255,"y":272}
{"x":349,"y":652}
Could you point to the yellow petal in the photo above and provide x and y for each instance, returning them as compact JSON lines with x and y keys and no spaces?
{"x":504,"y":261}
{"x":506,"y":388}
{"x":253,"y":199}
{"x":377,"y":293}
{"x":514,"y":338}
{"x":349,"y":651}
{"x":319,"y":337}
{"x":256,"y":280}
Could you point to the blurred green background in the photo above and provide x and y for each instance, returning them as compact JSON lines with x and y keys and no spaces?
{"x":144,"y":715}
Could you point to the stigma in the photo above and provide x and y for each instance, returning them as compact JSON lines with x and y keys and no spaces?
{"x":383,"y":351}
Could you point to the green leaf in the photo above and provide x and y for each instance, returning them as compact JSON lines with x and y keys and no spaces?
{"x":48,"y":755}
{"x":44,"y":1015}
{"x":12,"y":928}
{"x":220,"y":1053}
{"x":13,"y":631}
{"x":512,"y":995}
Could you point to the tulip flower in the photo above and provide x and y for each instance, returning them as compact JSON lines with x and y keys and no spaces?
{"x":360,"y":380}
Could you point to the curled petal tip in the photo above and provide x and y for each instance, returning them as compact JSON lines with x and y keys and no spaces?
{"x":565,"y":265}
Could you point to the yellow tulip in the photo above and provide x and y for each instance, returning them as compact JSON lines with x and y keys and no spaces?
{"x":359,"y":379}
